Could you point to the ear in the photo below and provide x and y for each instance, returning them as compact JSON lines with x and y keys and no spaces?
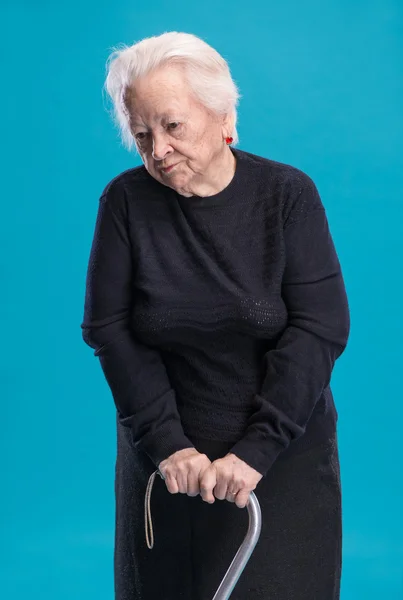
{"x":228,"y":124}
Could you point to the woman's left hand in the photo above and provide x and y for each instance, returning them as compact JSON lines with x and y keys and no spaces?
{"x":229,"y":478}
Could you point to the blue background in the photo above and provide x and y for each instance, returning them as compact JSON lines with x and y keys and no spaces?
{"x":322,"y":90}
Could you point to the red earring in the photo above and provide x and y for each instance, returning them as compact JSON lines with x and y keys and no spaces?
{"x":229,"y":140}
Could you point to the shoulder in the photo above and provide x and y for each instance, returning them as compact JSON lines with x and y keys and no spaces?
{"x":126,"y":183}
{"x":284,"y":175}
{"x":294,"y":190}
{"x":127,"y":190}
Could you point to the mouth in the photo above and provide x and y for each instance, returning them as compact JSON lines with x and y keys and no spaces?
{"x":168,"y":169}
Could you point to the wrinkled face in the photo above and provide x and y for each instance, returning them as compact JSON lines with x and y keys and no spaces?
{"x":172,"y":129}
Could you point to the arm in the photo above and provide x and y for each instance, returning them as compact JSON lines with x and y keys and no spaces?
{"x":300,"y":367}
{"x":135,"y":372}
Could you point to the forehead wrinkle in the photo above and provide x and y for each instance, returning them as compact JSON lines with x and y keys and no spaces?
{"x":177,"y":111}
{"x":165,"y":116}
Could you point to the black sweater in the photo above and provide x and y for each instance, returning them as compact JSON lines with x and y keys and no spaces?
{"x":218,"y":317}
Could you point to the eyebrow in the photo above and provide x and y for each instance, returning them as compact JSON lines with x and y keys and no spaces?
{"x":163,"y":117}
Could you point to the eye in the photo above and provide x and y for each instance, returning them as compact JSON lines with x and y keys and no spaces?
{"x":141,"y":136}
{"x":173,"y":125}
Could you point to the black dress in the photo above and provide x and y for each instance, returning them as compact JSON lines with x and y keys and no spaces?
{"x":217,"y":322}
{"x":298,"y":555}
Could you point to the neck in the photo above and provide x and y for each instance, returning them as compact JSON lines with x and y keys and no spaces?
{"x":222,"y":172}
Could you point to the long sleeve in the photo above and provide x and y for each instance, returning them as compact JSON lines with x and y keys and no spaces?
{"x":135,"y":372}
{"x":297,"y":371}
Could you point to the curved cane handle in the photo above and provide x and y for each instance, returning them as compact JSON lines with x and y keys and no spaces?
{"x":244,"y":552}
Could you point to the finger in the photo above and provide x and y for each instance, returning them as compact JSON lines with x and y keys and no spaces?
{"x":207,"y":484}
{"x":182,"y":480}
{"x":230,"y":496}
{"x":241,"y":499}
{"x":192,"y":484}
{"x":172,"y":485}
{"x":221,"y":489}
{"x":162,"y":465}
{"x":231,"y":492}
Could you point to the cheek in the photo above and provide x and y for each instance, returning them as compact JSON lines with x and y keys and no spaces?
{"x":193,"y":141}
{"x":147,"y":158}
{"x":207,"y":140}
{"x":149,"y":164}
{"x":196,"y":148}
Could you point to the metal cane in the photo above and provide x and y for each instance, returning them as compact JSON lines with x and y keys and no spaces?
{"x":244,"y":552}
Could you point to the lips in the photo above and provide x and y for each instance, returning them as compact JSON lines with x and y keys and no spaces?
{"x":167,"y":169}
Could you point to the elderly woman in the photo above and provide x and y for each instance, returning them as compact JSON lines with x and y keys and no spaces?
{"x":216,"y":305}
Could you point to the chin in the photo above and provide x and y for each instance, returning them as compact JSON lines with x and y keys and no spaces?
{"x":179,"y":179}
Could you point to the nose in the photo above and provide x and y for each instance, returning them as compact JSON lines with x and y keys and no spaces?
{"x":161,"y":149}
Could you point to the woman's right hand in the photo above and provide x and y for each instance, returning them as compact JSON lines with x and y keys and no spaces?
{"x":183,"y":470}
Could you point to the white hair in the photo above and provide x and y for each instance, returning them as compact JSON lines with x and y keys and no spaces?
{"x":206,"y":71}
